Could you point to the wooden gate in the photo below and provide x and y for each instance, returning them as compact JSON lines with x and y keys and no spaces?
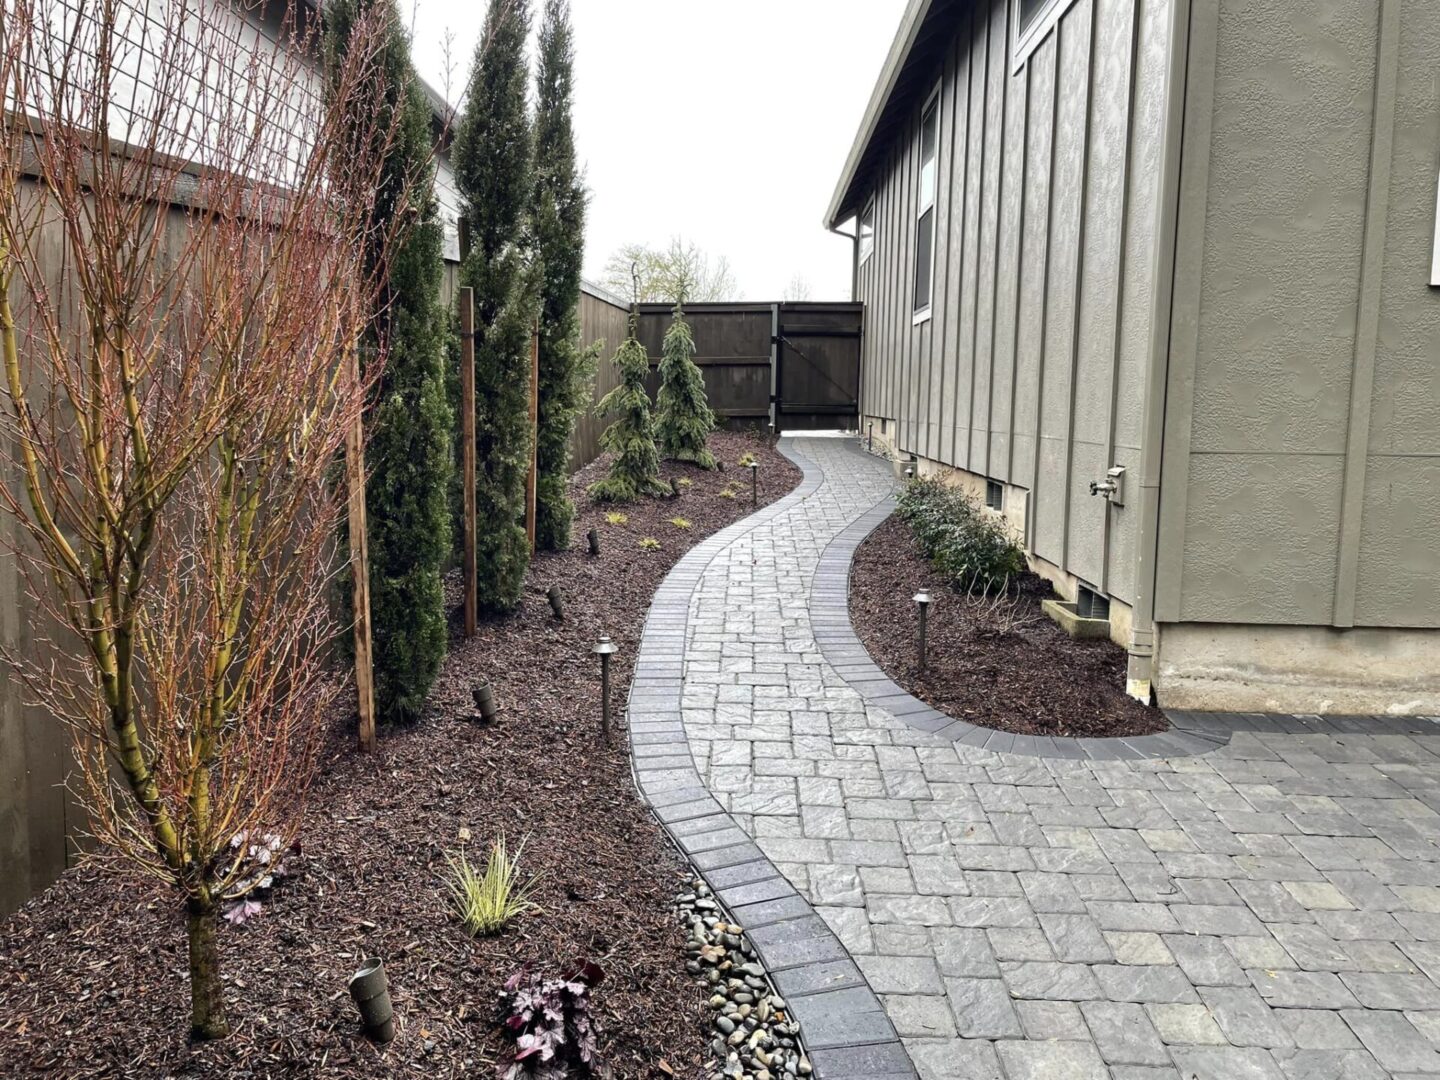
{"x":815,"y":366}
{"x":795,"y":365}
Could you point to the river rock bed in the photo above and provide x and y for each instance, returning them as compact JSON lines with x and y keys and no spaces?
{"x":753,"y":1035}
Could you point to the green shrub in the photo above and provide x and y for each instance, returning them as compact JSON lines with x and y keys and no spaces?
{"x":969,"y":547}
{"x":683,"y":419}
{"x":485,"y":901}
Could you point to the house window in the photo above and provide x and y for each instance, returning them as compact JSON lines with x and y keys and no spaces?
{"x":994,"y":495}
{"x":925,"y":229}
{"x":867,"y":231}
{"x":1034,"y":19}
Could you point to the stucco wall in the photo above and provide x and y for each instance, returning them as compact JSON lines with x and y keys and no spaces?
{"x":1302,"y":458}
{"x":1032,"y":367}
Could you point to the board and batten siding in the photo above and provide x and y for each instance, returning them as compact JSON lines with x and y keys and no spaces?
{"x":1301,"y":476}
{"x":1031,"y":369}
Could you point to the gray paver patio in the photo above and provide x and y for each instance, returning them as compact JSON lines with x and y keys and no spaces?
{"x":1267,"y":908}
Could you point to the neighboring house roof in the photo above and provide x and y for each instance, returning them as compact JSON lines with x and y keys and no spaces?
{"x":908,"y":74}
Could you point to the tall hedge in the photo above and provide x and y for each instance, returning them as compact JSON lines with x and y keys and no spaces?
{"x":493,"y":169}
{"x":684,"y":420}
{"x":559,"y":210}
{"x":408,"y":452}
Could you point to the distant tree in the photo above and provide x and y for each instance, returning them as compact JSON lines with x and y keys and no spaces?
{"x":559,"y":211}
{"x":636,"y":468}
{"x":797,"y":289}
{"x":684,"y":419}
{"x":493,"y":170}
{"x":408,"y":452}
{"x":681,"y":271}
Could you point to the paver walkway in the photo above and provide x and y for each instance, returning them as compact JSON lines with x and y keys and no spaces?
{"x":1268,"y":909}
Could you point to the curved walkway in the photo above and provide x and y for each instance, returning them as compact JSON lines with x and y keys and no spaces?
{"x":1268,"y":909}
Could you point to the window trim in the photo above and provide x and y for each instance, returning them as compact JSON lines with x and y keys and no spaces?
{"x":1023,"y":43}
{"x":1435,"y":259}
{"x":922,"y":314}
{"x":866,"y":254}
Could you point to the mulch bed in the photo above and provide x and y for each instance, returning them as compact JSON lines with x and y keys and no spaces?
{"x":92,"y":973}
{"x":1009,"y":667}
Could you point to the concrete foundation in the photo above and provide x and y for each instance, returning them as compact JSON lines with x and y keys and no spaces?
{"x":1298,"y":669}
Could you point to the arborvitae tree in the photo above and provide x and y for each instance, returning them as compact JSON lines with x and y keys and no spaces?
{"x":636,"y":469}
{"x":560,"y":198}
{"x":493,"y":170}
{"x":408,"y":453}
{"x":684,"y":420}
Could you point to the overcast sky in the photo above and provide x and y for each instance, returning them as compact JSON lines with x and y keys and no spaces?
{"x":724,"y":123}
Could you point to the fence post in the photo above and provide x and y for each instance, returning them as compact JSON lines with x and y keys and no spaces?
{"x":467,"y":439}
{"x":360,"y":567}
{"x":531,"y":476}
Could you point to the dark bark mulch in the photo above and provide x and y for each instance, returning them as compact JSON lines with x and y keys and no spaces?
{"x":92,"y":973}
{"x":1007,"y":667}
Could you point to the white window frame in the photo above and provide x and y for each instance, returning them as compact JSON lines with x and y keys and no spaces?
{"x":867,"y":249}
{"x":1023,"y":42}
{"x":1435,"y":259}
{"x":922,"y":314}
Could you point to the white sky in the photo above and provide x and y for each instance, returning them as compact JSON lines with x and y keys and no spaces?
{"x":725,"y":123}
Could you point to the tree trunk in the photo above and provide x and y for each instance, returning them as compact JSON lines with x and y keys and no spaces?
{"x":207,"y":1001}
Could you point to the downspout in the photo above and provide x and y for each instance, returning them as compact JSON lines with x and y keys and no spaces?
{"x":1140,"y":671}
{"x":854,"y":239}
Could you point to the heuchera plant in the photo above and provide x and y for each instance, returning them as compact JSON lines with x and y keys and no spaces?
{"x":555,"y":1035}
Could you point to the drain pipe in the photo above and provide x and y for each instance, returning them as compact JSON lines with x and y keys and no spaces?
{"x":1140,"y":669}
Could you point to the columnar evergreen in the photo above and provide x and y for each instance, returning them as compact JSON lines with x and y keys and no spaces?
{"x":684,"y":420}
{"x":408,"y":453}
{"x":560,"y":241}
{"x":493,"y":169}
{"x":636,"y":469}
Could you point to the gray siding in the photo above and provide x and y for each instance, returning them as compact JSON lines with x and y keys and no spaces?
{"x":1302,"y":460}
{"x":1032,"y":368}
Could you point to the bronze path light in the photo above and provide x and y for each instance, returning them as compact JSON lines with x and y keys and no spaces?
{"x":754,"y":486}
{"x":922,"y":601}
{"x":593,"y":536}
{"x":484,"y":702}
{"x":605,"y":649}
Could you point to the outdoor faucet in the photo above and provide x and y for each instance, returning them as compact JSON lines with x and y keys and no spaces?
{"x":1111,"y":487}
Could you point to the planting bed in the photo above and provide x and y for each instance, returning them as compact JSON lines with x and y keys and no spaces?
{"x":1029,"y":677}
{"x":92,"y":974}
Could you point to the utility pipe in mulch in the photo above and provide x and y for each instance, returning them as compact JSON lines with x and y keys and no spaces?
{"x":92,"y":973}
{"x":997,"y":662}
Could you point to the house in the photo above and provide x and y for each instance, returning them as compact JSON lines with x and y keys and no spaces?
{"x":1157,"y":279}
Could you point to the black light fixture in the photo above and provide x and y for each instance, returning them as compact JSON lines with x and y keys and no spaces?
{"x":870,"y":438}
{"x":605,"y":649}
{"x":557,"y":602}
{"x":922,"y":601}
{"x":754,"y":484}
{"x":593,"y":537}
{"x":484,"y":702}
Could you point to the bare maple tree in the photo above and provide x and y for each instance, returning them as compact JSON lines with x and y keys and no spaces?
{"x":186,"y":264}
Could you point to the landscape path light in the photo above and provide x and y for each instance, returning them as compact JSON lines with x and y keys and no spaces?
{"x":754,"y":485}
{"x":922,"y":601}
{"x":593,"y":536}
{"x":605,"y":649}
{"x":484,"y":702}
{"x":370,"y":991}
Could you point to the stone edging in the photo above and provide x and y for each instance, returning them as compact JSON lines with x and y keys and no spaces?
{"x":1191,"y":733}
{"x":845,"y":1030}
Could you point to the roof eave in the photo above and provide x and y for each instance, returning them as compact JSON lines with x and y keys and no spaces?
{"x":910,"y":25}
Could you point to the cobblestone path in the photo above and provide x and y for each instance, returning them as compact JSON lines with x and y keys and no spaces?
{"x":1266,"y":909}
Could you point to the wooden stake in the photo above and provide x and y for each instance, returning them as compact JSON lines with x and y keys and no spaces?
{"x":467,"y":439}
{"x":530,"y":479}
{"x":360,"y":570}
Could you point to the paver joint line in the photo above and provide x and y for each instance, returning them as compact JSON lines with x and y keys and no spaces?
{"x":1253,"y":896}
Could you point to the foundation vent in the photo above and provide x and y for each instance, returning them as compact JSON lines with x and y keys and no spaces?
{"x":994,"y":495}
{"x":1090,"y":604}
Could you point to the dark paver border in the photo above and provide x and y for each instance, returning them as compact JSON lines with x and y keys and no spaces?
{"x":845,"y":1029}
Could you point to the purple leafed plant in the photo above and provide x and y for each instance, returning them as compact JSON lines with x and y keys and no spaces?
{"x":555,"y":1035}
